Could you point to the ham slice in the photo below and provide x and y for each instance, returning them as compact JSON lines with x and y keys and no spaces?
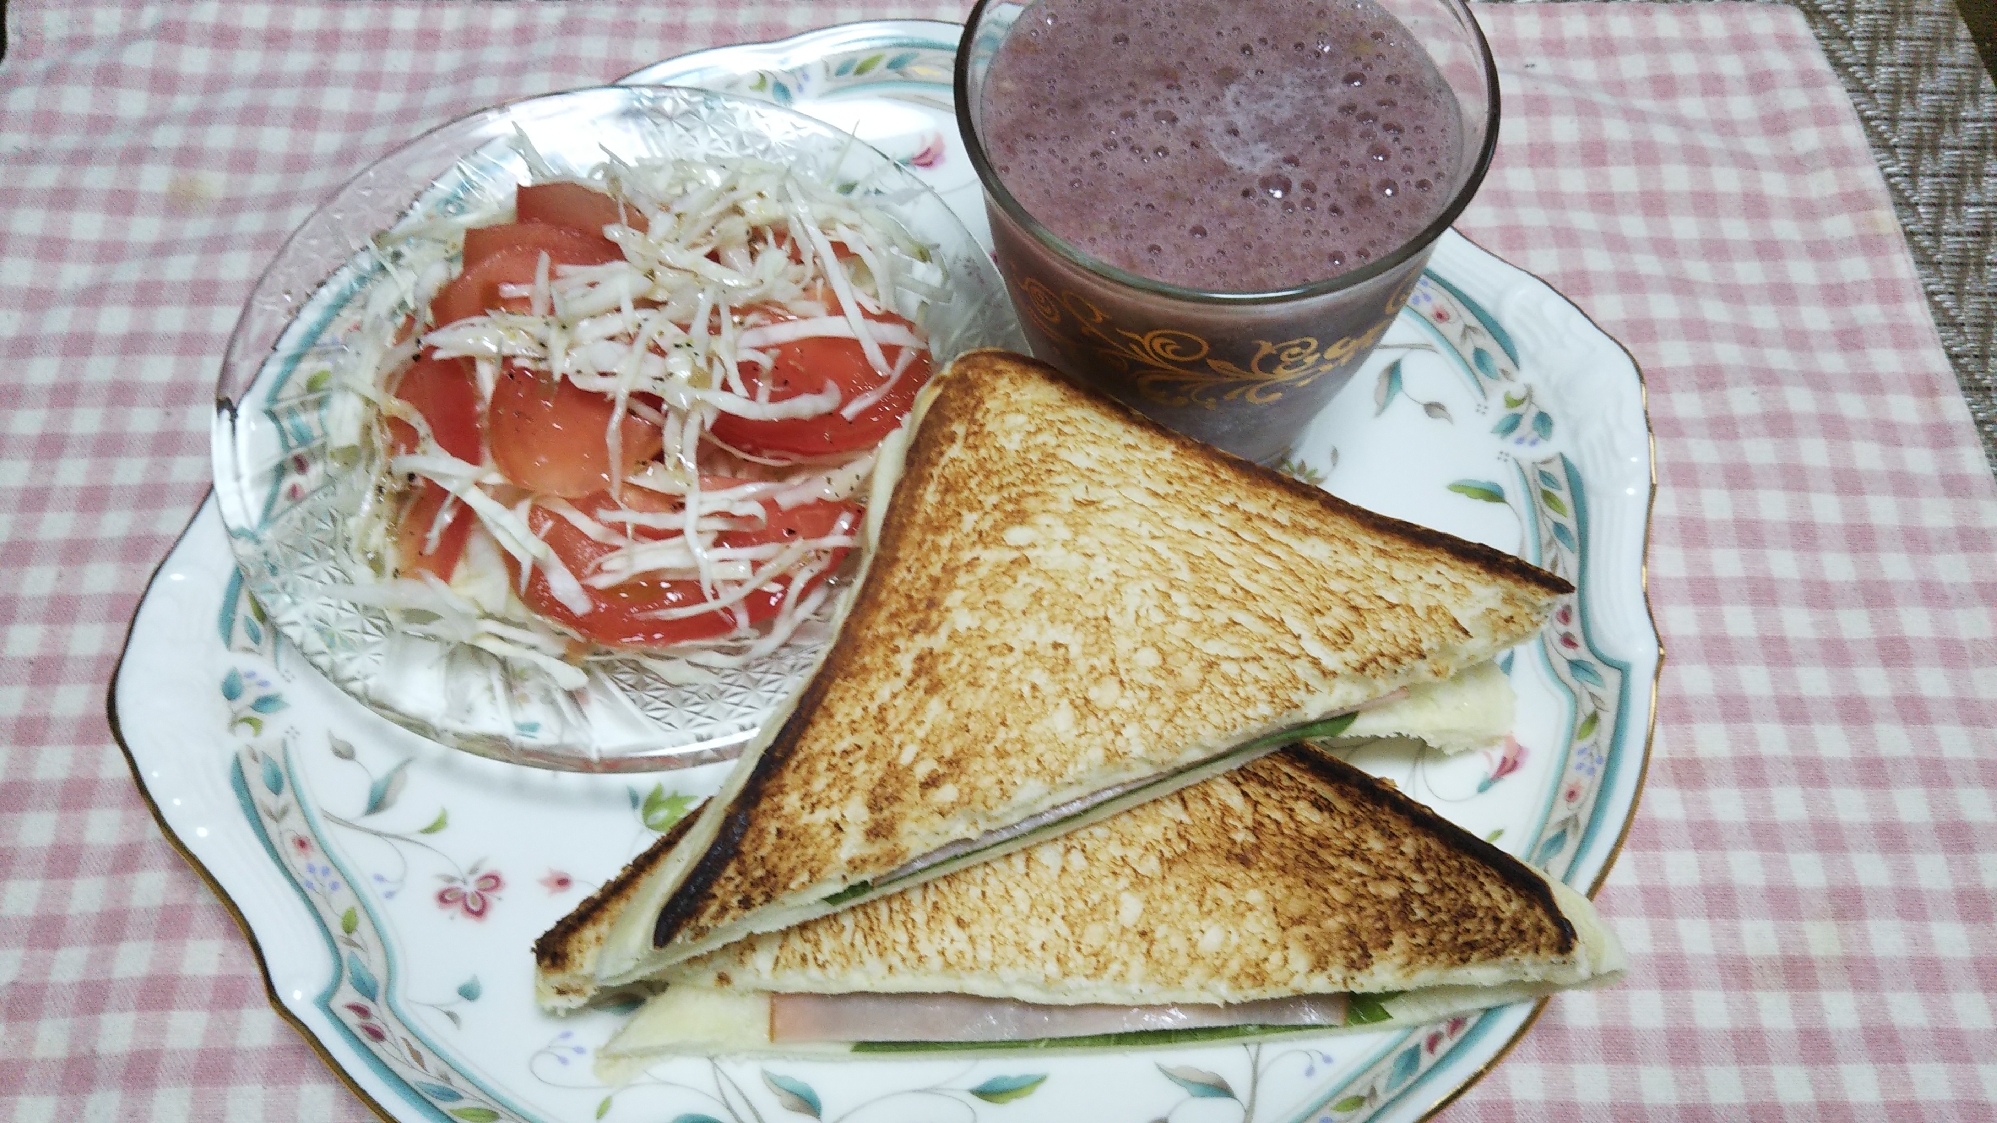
{"x":964,"y":1017}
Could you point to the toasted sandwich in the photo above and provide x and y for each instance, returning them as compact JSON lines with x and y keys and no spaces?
{"x":1475,"y":706}
{"x":1296,"y":893}
{"x":1066,"y":610}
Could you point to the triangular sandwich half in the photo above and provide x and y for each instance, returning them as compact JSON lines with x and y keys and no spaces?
{"x":1067,"y":610}
{"x":1296,"y":892}
{"x":1476,"y":706}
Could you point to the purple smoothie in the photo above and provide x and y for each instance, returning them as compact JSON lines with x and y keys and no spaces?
{"x":1248,"y":146}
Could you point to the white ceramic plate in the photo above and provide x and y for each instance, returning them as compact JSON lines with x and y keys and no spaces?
{"x":393,"y":887}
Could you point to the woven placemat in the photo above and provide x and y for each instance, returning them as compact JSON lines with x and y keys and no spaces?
{"x":1930,"y":112}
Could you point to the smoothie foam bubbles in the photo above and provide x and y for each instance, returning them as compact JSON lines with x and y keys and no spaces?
{"x":1229,"y":147}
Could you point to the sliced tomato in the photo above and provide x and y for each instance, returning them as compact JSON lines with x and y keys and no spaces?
{"x":445,"y":392}
{"x":816,"y":519}
{"x":601,"y":507}
{"x":804,"y":367}
{"x":564,"y":246}
{"x":621,"y":616}
{"x":510,"y":257}
{"x":575,"y":206}
{"x":616,"y":615}
{"x":412,"y":533}
{"x":552,"y":438}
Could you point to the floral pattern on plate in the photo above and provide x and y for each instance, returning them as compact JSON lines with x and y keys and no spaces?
{"x":393,"y":888}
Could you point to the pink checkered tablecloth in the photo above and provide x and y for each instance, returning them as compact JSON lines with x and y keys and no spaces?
{"x":1810,"y":891}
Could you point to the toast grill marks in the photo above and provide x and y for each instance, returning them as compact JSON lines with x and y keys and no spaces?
{"x":1295,"y":874}
{"x":1066,"y":597}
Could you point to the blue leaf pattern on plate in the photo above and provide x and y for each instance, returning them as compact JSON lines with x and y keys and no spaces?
{"x":794,"y":1094}
{"x":362,"y":978}
{"x":1198,"y":1082}
{"x":1550,"y":847}
{"x":383,"y":793}
{"x":1404,"y":1067}
{"x":1003,"y":1089}
{"x":1486,"y":490}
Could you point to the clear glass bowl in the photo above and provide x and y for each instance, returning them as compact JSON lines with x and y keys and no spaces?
{"x":285,"y":497}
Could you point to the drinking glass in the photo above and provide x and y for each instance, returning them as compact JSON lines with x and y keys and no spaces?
{"x":1245,"y":371}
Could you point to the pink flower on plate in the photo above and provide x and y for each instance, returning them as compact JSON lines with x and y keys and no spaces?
{"x":473,"y":894}
{"x":301,"y":844}
{"x":931,"y":153}
{"x":558,"y":882}
{"x":1508,"y":760}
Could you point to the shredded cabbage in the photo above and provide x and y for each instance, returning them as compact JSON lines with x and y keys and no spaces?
{"x":722,"y":265}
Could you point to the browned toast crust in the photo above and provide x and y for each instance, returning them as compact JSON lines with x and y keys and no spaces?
{"x":1296,"y":873}
{"x":1542,"y":929}
{"x":821,"y":792}
{"x":695,"y":892}
{"x":569,"y":948}
{"x":1499,"y":563}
